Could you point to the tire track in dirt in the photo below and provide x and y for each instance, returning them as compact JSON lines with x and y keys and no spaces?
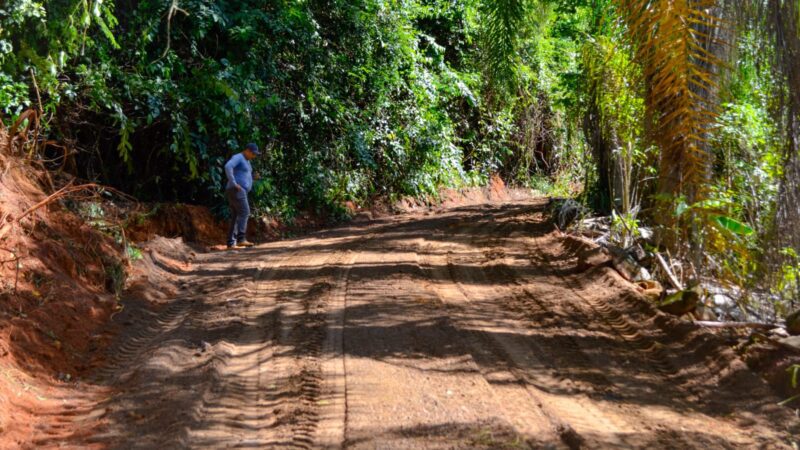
{"x":647,"y":343}
{"x":304,"y":328}
{"x":530,"y":414}
{"x":128,"y":350}
{"x":599,"y":384}
{"x":576,"y":421}
{"x":233,"y":412}
{"x":592,"y":380}
{"x":468,"y":329}
{"x":78,"y":418}
{"x":277,"y":400}
{"x":664,"y":424}
{"x":332,"y":402}
{"x":521,"y":407}
{"x":412,"y":381}
{"x":296,"y":305}
{"x":187,"y":357}
{"x":685,"y":429}
{"x":237,"y":357}
{"x":212,"y":362}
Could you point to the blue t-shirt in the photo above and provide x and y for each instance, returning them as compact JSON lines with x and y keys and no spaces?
{"x":239,"y":171}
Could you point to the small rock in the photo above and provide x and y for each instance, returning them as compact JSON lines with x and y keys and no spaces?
{"x":568,"y":212}
{"x":723,"y":301}
{"x":792,"y":341}
{"x":97,"y":414}
{"x":643,"y":275}
{"x":779,"y":332}
{"x":624,"y":263}
{"x":625,"y":267}
{"x":364,"y":216}
{"x":637,"y":252}
{"x":64,"y":376}
{"x":793,"y":323}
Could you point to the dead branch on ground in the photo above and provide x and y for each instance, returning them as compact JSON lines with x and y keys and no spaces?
{"x":670,"y":275}
{"x":753,"y":325}
{"x":70,"y":189}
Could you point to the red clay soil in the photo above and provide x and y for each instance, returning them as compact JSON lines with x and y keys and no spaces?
{"x":197,"y":224}
{"x":460,"y":328}
{"x":192,"y":223}
{"x":495,"y":191}
{"x":54,"y":298}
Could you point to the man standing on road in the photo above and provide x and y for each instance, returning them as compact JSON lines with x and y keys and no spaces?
{"x":240,"y":182}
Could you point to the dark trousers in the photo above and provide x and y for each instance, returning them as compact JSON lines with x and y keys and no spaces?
{"x":240,"y":212}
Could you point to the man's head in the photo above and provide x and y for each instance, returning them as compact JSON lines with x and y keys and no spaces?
{"x":251,"y":151}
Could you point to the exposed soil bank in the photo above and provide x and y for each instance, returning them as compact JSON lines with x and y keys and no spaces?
{"x":58,"y":276}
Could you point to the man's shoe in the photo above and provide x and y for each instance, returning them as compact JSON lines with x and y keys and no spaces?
{"x":245,"y":243}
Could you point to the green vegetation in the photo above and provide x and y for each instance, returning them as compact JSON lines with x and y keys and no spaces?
{"x":682,"y":115}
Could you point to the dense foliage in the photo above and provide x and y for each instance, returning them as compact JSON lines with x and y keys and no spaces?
{"x":682,"y":114}
{"x":353,"y":98}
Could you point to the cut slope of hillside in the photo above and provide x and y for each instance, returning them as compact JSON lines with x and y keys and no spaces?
{"x":58,"y":279}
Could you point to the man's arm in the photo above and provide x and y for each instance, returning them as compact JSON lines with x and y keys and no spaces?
{"x":229,"y":166}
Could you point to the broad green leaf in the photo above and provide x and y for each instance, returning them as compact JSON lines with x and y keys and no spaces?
{"x":734,"y":226}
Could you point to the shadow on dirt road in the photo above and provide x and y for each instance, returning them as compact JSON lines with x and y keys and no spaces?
{"x":470,"y":328}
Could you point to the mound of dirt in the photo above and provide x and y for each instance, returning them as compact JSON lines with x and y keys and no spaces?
{"x":67,"y":268}
{"x":495,"y":192}
{"x":776,"y":366}
{"x":58,"y":281}
{"x":190,"y":222}
{"x":728,"y":347}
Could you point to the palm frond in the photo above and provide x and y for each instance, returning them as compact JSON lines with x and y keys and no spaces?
{"x":503,"y":22}
{"x":674,"y":41}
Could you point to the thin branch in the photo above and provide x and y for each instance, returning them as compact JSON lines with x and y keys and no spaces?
{"x":672,"y":278}
{"x":69,"y":189}
{"x":755,"y":325}
{"x":36,"y":88}
{"x":50,"y":198}
{"x":173,"y":9}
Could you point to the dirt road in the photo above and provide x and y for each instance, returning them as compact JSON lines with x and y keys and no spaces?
{"x":467,"y":328}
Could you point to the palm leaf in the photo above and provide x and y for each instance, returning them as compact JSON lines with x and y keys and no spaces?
{"x":504,"y":21}
{"x":673,"y":40}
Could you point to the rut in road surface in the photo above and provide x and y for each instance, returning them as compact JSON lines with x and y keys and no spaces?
{"x":470,"y":328}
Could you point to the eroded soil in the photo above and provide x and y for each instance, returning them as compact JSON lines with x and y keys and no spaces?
{"x":468,"y":328}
